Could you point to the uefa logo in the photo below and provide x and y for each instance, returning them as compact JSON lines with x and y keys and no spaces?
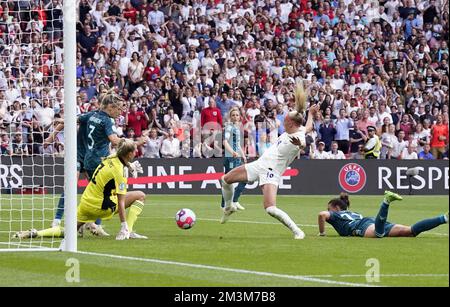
{"x":352,"y":177}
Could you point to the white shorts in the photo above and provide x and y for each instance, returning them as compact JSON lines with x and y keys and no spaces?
{"x":263,"y":174}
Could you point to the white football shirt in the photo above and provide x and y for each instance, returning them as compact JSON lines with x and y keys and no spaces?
{"x":282,"y":153}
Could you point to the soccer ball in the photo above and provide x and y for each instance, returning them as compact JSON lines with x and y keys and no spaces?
{"x":185,"y":218}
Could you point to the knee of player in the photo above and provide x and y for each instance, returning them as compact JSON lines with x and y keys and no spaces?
{"x":141,"y":196}
{"x":225,"y":179}
{"x":270,"y":209}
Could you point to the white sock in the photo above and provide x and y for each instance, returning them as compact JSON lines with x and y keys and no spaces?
{"x":284,"y":218}
{"x":227,"y":192}
{"x":56,"y":222}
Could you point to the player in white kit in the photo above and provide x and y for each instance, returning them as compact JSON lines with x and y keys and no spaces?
{"x":269,"y":168}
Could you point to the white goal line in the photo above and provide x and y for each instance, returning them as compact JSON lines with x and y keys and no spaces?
{"x":232,"y":270}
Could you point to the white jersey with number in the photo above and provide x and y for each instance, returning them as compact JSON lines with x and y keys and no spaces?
{"x":281,"y":154}
{"x":270,"y":167}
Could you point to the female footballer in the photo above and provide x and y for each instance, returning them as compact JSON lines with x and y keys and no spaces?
{"x":348,"y":223}
{"x":105,"y":196}
{"x":234,"y":154}
{"x":269,"y":168}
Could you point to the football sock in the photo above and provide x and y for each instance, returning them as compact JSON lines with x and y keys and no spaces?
{"x":227,"y":193}
{"x":284,"y":218}
{"x":133,"y":213}
{"x":427,"y":224}
{"x":238,"y":191}
{"x":380,"y":220}
{"x":56,"y":231}
{"x":60,"y":209}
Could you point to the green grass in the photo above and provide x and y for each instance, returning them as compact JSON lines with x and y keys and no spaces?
{"x":240,"y":244}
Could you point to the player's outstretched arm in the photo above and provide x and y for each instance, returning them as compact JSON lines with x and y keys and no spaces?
{"x":114,"y":139}
{"x":310,"y":122}
{"x":323,"y":217}
{"x":52,"y":136}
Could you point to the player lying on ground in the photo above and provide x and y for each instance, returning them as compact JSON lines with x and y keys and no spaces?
{"x":269,"y":168}
{"x":348,"y":223}
{"x":105,"y":196}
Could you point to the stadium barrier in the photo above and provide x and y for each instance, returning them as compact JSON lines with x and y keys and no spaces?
{"x":201,"y":176}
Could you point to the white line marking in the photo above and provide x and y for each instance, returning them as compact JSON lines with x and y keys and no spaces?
{"x":215,"y":268}
{"x":265,"y":223}
{"x":398,"y":275}
{"x":381,"y":275}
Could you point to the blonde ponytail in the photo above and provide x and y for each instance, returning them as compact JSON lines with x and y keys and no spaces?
{"x":300,"y":103}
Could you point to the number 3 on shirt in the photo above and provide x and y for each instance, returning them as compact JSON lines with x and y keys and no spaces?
{"x":91,"y":140}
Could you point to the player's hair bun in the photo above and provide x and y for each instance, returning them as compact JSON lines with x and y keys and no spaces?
{"x":344,"y":197}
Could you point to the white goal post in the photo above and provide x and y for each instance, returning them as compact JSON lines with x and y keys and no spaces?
{"x":70,"y":122}
{"x":37,"y":84}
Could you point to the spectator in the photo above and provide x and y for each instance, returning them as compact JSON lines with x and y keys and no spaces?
{"x":357,"y":141}
{"x":387,"y":142}
{"x":44,"y":114}
{"x":425,"y":154}
{"x":409,"y":153}
{"x":320,"y":153}
{"x":153,"y":144}
{"x":170,"y":119}
{"x":343,"y":125}
{"x":406,"y":124}
{"x":399,"y":145}
{"x":136,"y":119}
{"x":18,"y":147}
{"x":373,"y":144}
{"x":335,"y":153}
{"x":5,"y":145}
{"x":170,"y":147}
{"x":135,"y":73}
{"x":327,"y":132}
{"x":376,"y":62}
{"x":211,"y":115}
{"x":224,"y":104}
{"x":439,"y":137}
{"x":421,"y":136}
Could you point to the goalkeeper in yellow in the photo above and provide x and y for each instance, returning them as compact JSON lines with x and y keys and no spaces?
{"x":105,"y":196}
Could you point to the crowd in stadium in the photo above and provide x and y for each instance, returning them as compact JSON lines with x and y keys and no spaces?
{"x":379,"y":66}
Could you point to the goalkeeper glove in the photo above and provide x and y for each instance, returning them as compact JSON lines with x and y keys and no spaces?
{"x":135,"y":168}
{"x":124,"y":233}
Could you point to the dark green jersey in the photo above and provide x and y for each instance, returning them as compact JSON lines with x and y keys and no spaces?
{"x":81,"y":136}
{"x":99,"y":127}
{"x":233,"y":137}
{"x":344,"y":222}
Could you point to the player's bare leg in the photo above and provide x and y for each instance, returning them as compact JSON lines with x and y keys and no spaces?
{"x":238,"y":174}
{"x":396,"y":231}
{"x":270,"y":200}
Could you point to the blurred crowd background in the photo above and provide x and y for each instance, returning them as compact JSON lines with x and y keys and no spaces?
{"x":185,"y":64}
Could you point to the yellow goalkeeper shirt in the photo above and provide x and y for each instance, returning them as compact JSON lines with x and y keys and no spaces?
{"x":108,"y":181}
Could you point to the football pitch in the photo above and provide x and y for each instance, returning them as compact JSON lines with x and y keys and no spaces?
{"x":251,"y":250}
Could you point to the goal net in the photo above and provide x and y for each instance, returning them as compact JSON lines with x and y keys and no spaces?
{"x":31,"y":104}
